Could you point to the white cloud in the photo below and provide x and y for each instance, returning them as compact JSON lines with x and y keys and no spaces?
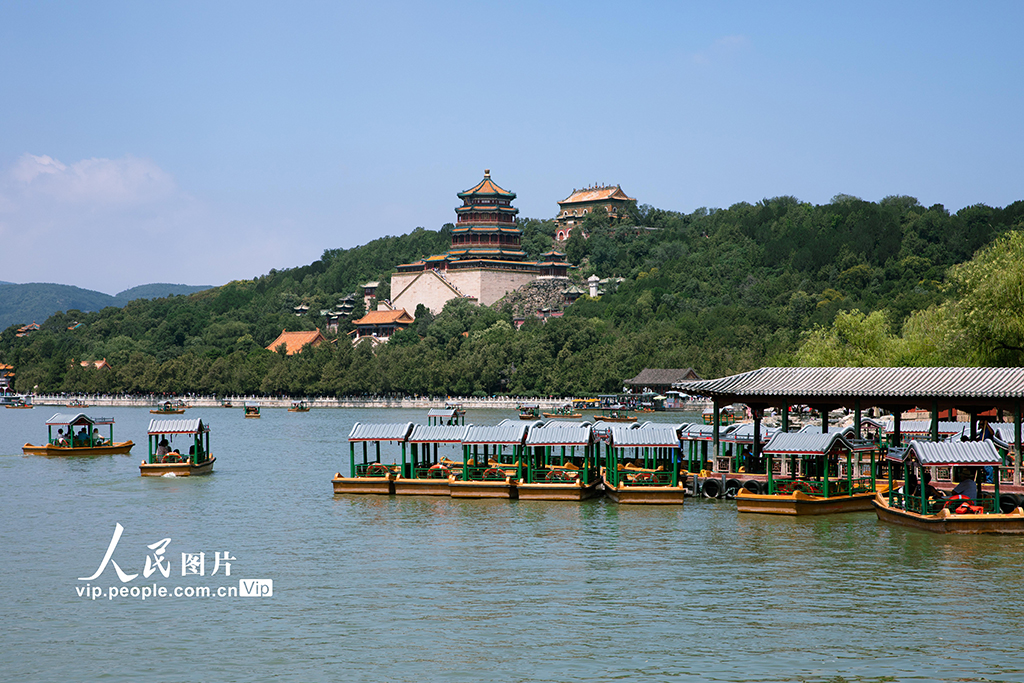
{"x":111,"y":224}
{"x":97,"y":182}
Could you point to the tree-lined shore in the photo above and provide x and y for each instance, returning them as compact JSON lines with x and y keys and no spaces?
{"x":779,"y":282}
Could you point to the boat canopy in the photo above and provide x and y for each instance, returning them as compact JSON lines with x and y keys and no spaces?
{"x":443,"y":412}
{"x":924,"y":428}
{"x":744,"y":433}
{"x":506,"y":433}
{"x":651,"y":435}
{"x":438,"y":434}
{"x":252,"y":404}
{"x":967,"y":453}
{"x":193,"y":425}
{"x":805,"y":443}
{"x":78,"y":419}
{"x":395,"y":431}
{"x":554,"y":434}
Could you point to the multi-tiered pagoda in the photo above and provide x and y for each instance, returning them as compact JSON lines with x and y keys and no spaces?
{"x":485,"y":260}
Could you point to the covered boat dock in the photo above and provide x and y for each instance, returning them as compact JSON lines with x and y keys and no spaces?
{"x":970,"y":390}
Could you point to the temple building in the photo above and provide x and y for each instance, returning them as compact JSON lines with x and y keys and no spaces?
{"x":574,"y":208}
{"x":485,"y":261}
{"x":294,"y":342}
{"x":378,"y":326}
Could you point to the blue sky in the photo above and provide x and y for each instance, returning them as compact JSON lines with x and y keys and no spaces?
{"x":203,"y":142}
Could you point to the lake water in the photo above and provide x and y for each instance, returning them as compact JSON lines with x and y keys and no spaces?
{"x":421,"y":589}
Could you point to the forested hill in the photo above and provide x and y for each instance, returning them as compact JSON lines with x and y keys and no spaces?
{"x":37,"y":301}
{"x":157,"y":290}
{"x":722,"y":291}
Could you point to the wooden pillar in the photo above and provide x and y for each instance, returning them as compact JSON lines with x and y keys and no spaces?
{"x":785,"y":416}
{"x":824,"y":420}
{"x":935,"y":420}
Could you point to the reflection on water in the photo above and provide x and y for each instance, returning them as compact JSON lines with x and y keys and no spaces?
{"x":413,"y":589}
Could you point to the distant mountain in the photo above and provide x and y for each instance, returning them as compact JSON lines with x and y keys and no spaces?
{"x":37,"y":301}
{"x":159,"y":290}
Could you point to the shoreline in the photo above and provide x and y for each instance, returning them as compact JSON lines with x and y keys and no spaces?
{"x":422,"y":403}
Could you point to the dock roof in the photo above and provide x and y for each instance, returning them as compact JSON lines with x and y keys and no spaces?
{"x":898,"y":386}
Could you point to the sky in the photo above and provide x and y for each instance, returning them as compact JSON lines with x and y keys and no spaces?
{"x":204,"y":142}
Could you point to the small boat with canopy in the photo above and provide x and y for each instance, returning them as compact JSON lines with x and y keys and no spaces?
{"x":969,"y":510}
{"x":561,"y":463}
{"x":167,"y":461}
{"x":804,"y":476}
{"x":87,"y":441}
{"x":642,"y":463}
{"x":252,"y":409}
{"x":373,"y":475}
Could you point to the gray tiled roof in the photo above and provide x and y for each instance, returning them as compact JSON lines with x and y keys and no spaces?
{"x":506,"y":432}
{"x":975,"y":453}
{"x":190,"y":425}
{"x":652,"y":435}
{"x":894,"y":383}
{"x":805,"y":443}
{"x":554,"y":434}
{"x":380,"y":432}
{"x":438,"y":434}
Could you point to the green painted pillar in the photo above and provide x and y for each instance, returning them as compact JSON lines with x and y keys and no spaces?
{"x":352,"y":459}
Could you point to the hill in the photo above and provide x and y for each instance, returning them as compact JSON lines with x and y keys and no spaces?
{"x":37,"y":301}
{"x":158,"y":290}
{"x":721,"y":290}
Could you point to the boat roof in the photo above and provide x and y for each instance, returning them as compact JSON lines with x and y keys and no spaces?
{"x":395,"y":431}
{"x":650,"y":434}
{"x":438,"y":433}
{"x":78,"y":419}
{"x":805,"y":443}
{"x":744,"y":432}
{"x":975,"y":453}
{"x":252,"y":404}
{"x":555,"y":434}
{"x":701,"y":432}
{"x":442,"y":412}
{"x":506,"y":432}
{"x":925,"y":427}
{"x":192,"y":425}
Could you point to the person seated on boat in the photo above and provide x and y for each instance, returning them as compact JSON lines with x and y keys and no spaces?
{"x":930,"y":491}
{"x":98,"y":440}
{"x":910,"y":486}
{"x":61,"y":440}
{"x":164,"y":448}
{"x":967,"y":489}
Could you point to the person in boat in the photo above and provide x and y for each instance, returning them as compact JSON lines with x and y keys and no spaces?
{"x":98,"y":440}
{"x":164,"y":448}
{"x":967,"y":489}
{"x":61,"y":440}
{"x":929,"y":490}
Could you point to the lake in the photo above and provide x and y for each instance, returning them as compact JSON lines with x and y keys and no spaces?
{"x":415,"y":589}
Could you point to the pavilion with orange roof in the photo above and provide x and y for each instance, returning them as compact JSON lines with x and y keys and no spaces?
{"x":295,"y":341}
